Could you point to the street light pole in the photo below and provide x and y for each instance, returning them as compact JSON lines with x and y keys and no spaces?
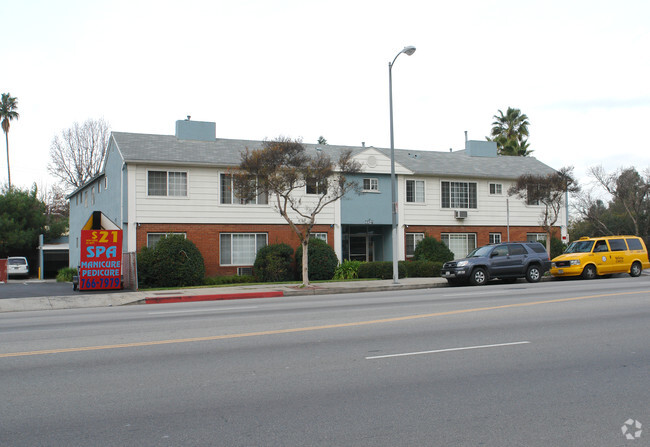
{"x":409,"y":51}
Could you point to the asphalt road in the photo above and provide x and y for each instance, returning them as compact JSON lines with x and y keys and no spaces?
{"x":558,"y":363}
{"x":26,"y":288}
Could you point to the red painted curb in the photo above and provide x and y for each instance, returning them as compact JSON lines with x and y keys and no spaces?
{"x":223,"y":296}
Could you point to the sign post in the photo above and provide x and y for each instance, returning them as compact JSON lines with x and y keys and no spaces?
{"x":101,"y":260}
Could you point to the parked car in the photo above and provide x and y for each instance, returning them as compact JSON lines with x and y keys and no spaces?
{"x":507,"y":261}
{"x":591,"y":257}
{"x":17,"y":266}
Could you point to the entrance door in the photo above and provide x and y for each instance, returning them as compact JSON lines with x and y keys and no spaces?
{"x":362,"y":248}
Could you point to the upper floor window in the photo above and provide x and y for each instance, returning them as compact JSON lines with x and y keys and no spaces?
{"x":458,"y":194}
{"x":496,"y":189}
{"x":531,"y":193}
{"x":370,"y":184}
{"x":314,"y":187}
{"x":415,"y":191}
{"x":92,"y":195}
{"x":167,"y":183}
{"x":229,"y":195}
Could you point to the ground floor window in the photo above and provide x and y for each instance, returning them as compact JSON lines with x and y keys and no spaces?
{"x":153,"y":238}
{"x":459,"y":243}
{"x":240,"y":248}
{"x":536,"y":237}
{"x":412,"y":240}
{"x":321,"y":236}
{"x":495,"y":238}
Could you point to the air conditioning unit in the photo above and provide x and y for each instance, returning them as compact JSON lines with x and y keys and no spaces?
{"x":460,"y":214}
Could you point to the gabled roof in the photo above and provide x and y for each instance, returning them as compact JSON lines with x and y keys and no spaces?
{"x":167,"y":149}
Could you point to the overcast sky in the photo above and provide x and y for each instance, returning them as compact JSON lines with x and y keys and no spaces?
{"x":580,"y":70}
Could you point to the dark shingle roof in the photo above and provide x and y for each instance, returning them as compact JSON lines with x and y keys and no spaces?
{"x":167,"y":149}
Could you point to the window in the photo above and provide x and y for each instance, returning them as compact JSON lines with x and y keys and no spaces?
{"x":495,"y":189}
{"x":86,"y":199}
{"x":370,"y":184}
{"x":415,"y":191}
{"x":321,"y":236}
{"x":154,"y":238}
{"x":92,"y":195}
{"x":634,"y":244}
{"x":531,"y":193}
{"x":167,"y":183}
{"x":99,"y":187}
{"x":240,"y":248}
{"x":105,"y":183}
{"x":517,"y":249}
{"x":412,"y":240}
{"x":495,"y":238}
{"x":536,"y":237}
{"x":459,"y":243}
{"x":314,"y":187}
{"x":617,"y":245}
{"x":458,"y":194}
{"x":229,"y":195}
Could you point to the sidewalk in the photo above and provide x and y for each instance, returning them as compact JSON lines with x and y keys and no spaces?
{"x":240,"y":291}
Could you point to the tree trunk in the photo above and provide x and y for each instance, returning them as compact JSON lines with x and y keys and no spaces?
{"x":8,"y":170}
{"x":305,"y":262}
{"x":548,"y":243}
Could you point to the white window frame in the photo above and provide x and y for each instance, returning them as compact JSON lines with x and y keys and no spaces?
{"x":417,"y":198}
{"x":470,"y":242}
{"x":162,"y":235}
{"x":536,"y":237}
{"x":373,"y":184}
{"x":168,"y":184}
{"x":415,"y":239}
{"x":259,"y":239}
{"x":319,"y":235}
{"x":455,"y":194}
{"x":233,"y":199}
{"x":498,"y":189}
{"x":318,"y":186}
{"x":495,"y":238}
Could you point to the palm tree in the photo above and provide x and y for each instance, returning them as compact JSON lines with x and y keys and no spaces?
{"x":510,"y":132}
{"x":8,"y":106}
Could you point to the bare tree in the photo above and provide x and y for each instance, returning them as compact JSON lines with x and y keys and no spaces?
{"x":549,"y":191}
{"x":628,"y":189}
{"x":76,"y":156}
{"x":282,"y":171}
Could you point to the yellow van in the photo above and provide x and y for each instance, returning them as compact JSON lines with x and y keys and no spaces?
{"x":593,"y":256}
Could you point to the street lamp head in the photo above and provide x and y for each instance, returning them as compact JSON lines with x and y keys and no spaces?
{"x":409,"y":50}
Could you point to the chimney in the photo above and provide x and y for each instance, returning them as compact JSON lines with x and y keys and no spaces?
{"x":465,"y":140}
{"x":195,"y":130}
{"x":363,"y":144}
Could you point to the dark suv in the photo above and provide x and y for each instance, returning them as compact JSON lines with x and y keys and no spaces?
{"x":507,"y":261}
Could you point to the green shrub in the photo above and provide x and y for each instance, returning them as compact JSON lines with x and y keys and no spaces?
{"x":422,"y":269}
{"x":173,"y":262}
{"x":66,"y":274}
{"x":431,"y":249}
{"x":347,"y":270}
{"x":557,"y":247}
{"x":274,"y":264}
{"x":322,"y":260}
{"x":381,"y":270}
{"x":230,"y":279}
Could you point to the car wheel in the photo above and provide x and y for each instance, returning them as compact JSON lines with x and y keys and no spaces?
{"x":589,"y":272}
{"x":533,"y":274}
{"x":636,"y":269}
{"x":478,"y":277}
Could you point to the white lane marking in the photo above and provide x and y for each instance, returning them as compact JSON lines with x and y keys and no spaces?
{"x":447,"y":350}
{"x":220,"y":309}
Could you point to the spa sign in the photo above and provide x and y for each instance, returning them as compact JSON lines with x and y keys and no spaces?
{"x":101,"y":259}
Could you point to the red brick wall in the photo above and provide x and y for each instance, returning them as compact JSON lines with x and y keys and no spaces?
{"x":482,"y":233}
{"x":206,"y":238}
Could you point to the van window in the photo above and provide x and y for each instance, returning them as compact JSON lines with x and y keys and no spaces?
{"x":617,"y":244}
{"x":634,"y":244}
{"x":600,"y":247}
